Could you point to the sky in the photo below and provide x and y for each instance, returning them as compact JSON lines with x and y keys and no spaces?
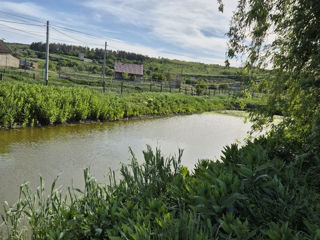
{"x":191,"y":30}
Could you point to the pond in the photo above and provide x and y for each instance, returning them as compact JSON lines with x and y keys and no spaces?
{"x":66,"y":150}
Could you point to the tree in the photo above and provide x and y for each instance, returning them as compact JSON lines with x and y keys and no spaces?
{"x":159,"y":77}
{"x":224,"y":86}
{"x":188,"y":80}
{"x":201,"y":86}
{"x":213,"y":86}
{"x":282,"y":35}
{"x":125,"y":76}
{"x":169,"y":76}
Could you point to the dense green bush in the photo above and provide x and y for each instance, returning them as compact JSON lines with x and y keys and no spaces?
{"x":201,"y":87}
{"x":260,"y":191}
{"x":29,"y":105}
{"x":159,"y":77}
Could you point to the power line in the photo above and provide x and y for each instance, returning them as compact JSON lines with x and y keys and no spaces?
{"x":31,"y":24}
{"x":77,"y":40}
{"x":20,"y":30}
{"x":85,"y":33}
{"x":19,"y":16}
{"x":77,"y":31}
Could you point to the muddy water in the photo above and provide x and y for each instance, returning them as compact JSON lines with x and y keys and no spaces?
{"x":66,"y":150}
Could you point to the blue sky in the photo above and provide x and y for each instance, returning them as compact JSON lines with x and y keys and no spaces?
{"x":192,"y":30}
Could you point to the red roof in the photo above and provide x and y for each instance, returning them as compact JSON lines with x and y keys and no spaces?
{"x":129,"y":68}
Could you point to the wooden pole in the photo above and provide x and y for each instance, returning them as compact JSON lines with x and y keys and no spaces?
{"x":47,"y":56}
{"x":104,"y":66}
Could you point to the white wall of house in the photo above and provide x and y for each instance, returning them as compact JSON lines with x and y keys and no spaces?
{"x":7,"y":60}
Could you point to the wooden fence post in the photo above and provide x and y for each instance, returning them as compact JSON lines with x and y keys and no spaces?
{"x":1,"y":78}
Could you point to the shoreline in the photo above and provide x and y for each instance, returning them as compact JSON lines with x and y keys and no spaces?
{"x":235,"y":113}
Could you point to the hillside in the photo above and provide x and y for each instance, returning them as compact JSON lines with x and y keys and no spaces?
{"x":65,"y":58}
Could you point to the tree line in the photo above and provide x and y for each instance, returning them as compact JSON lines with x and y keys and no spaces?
{"x":92,"y":53}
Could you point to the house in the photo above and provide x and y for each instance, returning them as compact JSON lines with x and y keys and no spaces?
{"x":28,"y":65}
{"x":6,"y":58}
{"x":81,"y":56}
{"x":134,"y":71}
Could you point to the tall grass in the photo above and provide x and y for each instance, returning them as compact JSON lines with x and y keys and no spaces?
{"x":30,"y":104}
{"x":259,"y":191}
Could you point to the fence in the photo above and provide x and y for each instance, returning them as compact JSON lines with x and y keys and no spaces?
{"x":94,"y":81}
{"x":15,"y":73}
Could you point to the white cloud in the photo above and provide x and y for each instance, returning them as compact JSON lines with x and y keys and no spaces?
{"x":194,"y":27}
{"x":24,"y":8}
{"x":180,"y":22}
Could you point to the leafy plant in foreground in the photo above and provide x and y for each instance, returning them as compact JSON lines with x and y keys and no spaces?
{"x":252,"y":193}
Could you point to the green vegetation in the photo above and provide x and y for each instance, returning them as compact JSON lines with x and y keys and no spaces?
{"x":267,"y":189}
{"x":292,"y":87}
{"x":201,"y":87}
{"x":65,"y":58}
{"x":30,"y":104}
{"x":260,"y":191}
{"x":159,"y":77}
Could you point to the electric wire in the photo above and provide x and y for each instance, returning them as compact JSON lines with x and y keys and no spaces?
{"x":76,"y":31}
{"x":77,"y":40}
{"x":63,"y":29}
{"x":23,"y":23}
{"x":24,"y":31}
{"x":21,"y":17}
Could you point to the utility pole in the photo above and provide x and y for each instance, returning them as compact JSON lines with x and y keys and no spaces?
{"x":180,"y":82}
{"x":47,"y":55}
{"x":104,"y":65}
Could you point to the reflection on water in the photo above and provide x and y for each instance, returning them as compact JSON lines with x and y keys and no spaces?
{"x":66,"y":150}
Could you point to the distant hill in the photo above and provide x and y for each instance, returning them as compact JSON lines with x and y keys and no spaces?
{"x":66,"y":57}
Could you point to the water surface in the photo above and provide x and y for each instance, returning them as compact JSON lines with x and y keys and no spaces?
{"x":66,"y":150}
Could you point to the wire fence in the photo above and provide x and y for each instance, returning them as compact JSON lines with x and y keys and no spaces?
{"x":94,"y":82}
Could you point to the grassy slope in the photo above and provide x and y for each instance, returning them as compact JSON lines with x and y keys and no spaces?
{"x":211,"y":72}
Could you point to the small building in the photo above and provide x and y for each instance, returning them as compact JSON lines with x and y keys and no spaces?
{"x":134,"y":71}
{"x":81,"y":56}
{"x":28,"y":65}
{"x":6,"y":58}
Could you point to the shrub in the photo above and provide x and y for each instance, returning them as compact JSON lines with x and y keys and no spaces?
{"x":254,"y":192}
{"x":28,"y":105}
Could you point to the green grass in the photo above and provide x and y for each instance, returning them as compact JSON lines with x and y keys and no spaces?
{"x":23,"y":104}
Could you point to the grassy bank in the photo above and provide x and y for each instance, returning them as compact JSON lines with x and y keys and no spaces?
{"x":31,"y":104}
{"x":259,"y":191}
